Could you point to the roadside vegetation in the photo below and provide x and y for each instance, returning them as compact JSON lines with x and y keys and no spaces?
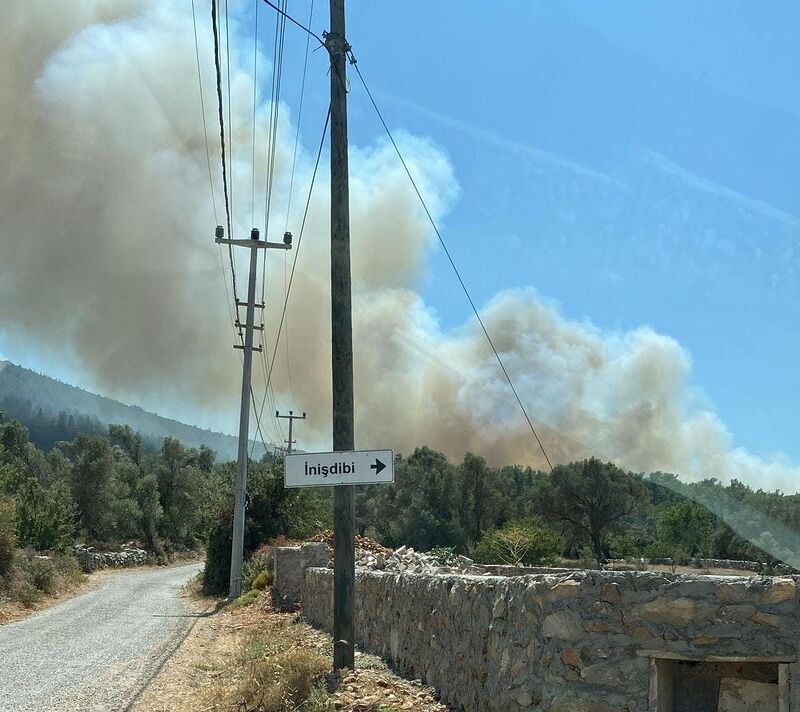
{"x":28,"y":578}
{"x":106,"y":490}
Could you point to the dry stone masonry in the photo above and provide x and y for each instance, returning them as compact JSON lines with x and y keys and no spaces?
{"x":579,"y":641}
{"x":91,"y":560}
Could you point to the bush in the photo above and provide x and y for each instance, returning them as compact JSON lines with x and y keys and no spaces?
{"x":217,"y":570}
{"x":261,"y":581}
{"x":25,"y":592}
{"x":257,"y":564}
{"x":40,"y":573}
{"x":525,"y":542}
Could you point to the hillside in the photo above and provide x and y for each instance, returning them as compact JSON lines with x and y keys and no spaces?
{"x":55,"y":411}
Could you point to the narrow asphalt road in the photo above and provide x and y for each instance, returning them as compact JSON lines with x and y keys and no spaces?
{"x":98,"y":650}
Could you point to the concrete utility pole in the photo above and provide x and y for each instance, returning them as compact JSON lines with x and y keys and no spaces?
{"x":291,"y":418}
{"x":237,"y":546}
{"x":344,"y":568}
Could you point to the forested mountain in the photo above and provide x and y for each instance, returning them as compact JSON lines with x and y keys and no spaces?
{"x":54,"y":411}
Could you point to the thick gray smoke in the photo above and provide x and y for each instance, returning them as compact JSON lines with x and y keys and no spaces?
{"x":109,"y":265}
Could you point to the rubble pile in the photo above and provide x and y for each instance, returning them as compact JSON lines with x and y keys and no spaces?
{"x":376,"y":557}
{"x":406,"y":560}
{"x":362,"y":542}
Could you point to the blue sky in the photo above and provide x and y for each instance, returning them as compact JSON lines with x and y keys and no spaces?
{"x":636,"y":162}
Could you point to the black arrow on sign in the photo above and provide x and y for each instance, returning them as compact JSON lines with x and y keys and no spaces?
{"x":378,"y":466}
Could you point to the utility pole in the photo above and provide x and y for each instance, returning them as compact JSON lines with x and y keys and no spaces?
{"x":291,"y":418}
{"x":344,"y":567}
{"x":253,"y":244}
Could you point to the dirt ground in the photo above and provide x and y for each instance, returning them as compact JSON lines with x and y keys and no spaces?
{"x":207,"y":672}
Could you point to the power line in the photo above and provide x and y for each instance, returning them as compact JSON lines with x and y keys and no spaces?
{"x":272,"y":131}
{"x":299,"y":118}
{"x":214,"y":21}
{"x":291,"y":191}
{"x":294,"y":22}
{"x":297,"y":252}
{"x":277,"y":75}
{"x":203,"y":112}
{"x":452,"y":262}
{"x":255,"y":103}
{"x":230,"y":121}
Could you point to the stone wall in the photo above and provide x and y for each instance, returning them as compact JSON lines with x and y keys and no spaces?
{"x":289,"y":565}
{"x":91,"y":560}
{"x":587,"y":641}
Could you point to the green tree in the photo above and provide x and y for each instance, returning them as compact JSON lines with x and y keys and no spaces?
{"x":475,"y":495}
{"x":590,"y":498}
{"x":524,"y":542}
{"x":687,"y":527}
{"x":420,"y":508}
{"x":150,"y":511}
{"x":8,"y":541}
{"x":184,"y":477}
{"x":93,"y":485}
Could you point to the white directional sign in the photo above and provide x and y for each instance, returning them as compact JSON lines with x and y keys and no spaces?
{"x":353,"y":467}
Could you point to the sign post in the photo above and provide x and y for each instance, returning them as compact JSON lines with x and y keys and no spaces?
{"x":350,"y":467}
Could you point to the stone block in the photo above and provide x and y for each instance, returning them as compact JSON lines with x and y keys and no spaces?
{"x":677,"y":611}
{"x":565,"y":625}
{"x":740,"y":695}
{"x":778,"y":591}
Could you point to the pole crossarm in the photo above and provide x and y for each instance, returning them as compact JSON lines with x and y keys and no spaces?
{"x":253,"y":243}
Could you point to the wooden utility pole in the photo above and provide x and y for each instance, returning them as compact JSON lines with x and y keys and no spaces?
{"x":237,"y":544}
{"x":291,"y":418}
{"x":344,"y":568}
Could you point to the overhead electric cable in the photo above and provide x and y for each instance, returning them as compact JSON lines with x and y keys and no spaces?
{"x":299,"y":119}
{"x":203,"y":113}
{"x":452,"y":262}
{"x":289,"y":200}
{"x":272,"y":130}
{"x":277,"y":75}
{"x":294,"y":22}
{"x":297,"y":249}
{"x":214,"y":25}
{"x":230,"y":121}
{"x":255,"y":104}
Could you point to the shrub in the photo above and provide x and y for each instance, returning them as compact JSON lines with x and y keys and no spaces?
{"x":524,"y":542}
{"x":217,"y":570}
{"x":25,"y":592}
{"x":257,"y":564}
{"x":41,"y":573}
{"x":261,"y":581}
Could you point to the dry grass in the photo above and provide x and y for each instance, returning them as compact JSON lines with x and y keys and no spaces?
{"x":252,"y":659}
{"x":37,"y":582}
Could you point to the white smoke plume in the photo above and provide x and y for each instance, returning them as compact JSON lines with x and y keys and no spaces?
{"x":109,"y":266}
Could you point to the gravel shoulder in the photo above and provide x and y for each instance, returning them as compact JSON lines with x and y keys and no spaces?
{"x":96,"y":651}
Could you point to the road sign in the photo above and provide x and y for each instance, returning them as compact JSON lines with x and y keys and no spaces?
{"x":354,"y":467}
